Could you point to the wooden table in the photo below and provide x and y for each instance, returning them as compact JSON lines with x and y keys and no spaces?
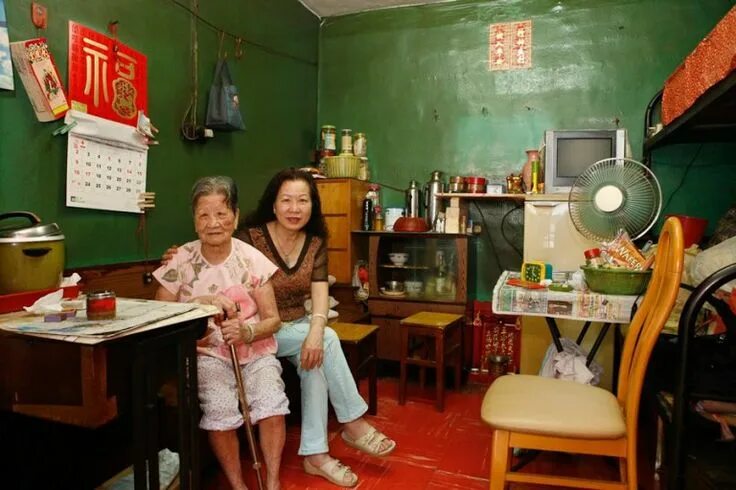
{"x":72,"y":381}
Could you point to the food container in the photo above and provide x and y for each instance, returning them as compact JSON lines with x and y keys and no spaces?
{"x":342,"y":166}
{"x":413,"y":288}
{"x":398,"y":258}
{"x":394,"y":286}
{"x":360,"y":145}
{"x":346,"y":142}
{"x":413,"y":224}
{"x":31,"y":255}
{"x":101,"y":305}
{"x":616,"y":281}
{"x":457,"y":184}
{"x":328,"y":138}
{"x":475,"y":185}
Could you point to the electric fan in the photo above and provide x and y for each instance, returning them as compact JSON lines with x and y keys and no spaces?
{"x":612,"y":194}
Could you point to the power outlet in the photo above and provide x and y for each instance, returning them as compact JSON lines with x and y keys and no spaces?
{"x":147,"y":278}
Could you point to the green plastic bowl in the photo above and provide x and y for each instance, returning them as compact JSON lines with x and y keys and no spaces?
{"x":616,"y":281}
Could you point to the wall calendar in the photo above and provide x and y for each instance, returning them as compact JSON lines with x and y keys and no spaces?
{"x":106,"y":164}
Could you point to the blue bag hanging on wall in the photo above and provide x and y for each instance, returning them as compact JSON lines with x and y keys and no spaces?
{"x":223,"y":108}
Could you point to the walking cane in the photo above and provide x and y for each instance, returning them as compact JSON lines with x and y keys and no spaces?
{"x":245,"y":410}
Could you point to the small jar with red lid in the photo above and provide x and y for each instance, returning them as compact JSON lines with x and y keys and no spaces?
{"x":101,"y":305}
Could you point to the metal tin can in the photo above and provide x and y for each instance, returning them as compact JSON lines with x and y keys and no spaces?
{"x":360,"y":145}
{"x":328,"y":138}
{"x":101,"y":305}
{"x":457,"y":184}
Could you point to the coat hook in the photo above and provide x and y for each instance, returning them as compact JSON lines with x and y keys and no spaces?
{"x":112,"y":28}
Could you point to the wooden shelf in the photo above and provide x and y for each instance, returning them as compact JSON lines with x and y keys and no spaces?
{"x":415,"y":267}
{"x":482,"y":197}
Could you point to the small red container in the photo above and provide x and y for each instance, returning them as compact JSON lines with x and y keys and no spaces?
{"x":693,"y":228}
{"x":101,"y":305}
{"x":475,"y":185}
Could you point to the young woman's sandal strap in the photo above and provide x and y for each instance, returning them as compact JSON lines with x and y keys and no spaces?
{"x":370,"y":442}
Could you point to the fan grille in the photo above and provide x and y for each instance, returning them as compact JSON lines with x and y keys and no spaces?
{"x":638,"y":210}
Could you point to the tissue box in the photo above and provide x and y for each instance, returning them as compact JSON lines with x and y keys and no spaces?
{"x":16,"y":301}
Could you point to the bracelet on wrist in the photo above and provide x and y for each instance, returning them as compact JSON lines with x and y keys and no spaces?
{"x":320,"y":315}
{"x":251,"y":333}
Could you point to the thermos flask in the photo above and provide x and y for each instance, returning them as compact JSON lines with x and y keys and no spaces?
{"x":413,"y":198}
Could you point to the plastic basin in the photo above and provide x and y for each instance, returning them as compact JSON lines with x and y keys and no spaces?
{"x":616,"y":281}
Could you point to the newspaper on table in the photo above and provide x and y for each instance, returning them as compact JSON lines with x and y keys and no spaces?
{"x":130,"y":314}
{"x":575,"y":305}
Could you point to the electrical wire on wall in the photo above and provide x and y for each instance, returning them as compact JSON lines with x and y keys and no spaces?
{"x":189,"y":122}
{"x":240,"y":39}
{"x":494,"y":249}
{"x":682,"y":179}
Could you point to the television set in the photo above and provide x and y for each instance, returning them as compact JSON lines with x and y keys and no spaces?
{"x":568,"y":152}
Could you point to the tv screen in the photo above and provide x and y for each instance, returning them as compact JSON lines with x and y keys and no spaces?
{"x":569,"y":152}
{"x":575,"y":155}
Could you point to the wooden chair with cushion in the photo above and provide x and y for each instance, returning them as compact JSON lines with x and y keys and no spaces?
{"x":550,"y":414}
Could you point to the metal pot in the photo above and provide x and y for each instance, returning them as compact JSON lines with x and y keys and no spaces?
{"x":31,"y":256}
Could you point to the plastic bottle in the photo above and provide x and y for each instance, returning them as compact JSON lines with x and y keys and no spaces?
{"x":367,"y":214}
{"x":593,"y":257}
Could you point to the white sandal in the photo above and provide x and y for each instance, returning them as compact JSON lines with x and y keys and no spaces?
{"x":333,"y":471}
{"x":370,"y":442}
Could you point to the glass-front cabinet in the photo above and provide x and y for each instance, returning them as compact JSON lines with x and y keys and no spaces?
{"x":413,"y":272}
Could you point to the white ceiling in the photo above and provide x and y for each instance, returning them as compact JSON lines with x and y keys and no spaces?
{"x":331,"y":8}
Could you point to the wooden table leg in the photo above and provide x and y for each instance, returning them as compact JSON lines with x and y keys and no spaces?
{"x":440,"y":367}
{"x":373,"y":376}
{"x":404,"y":354}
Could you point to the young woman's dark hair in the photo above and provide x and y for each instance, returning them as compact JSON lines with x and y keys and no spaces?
{"x":264,"y":212}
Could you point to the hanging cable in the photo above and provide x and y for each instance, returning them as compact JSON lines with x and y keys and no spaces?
{"x":189,"y":122}
{"x":240,"y":38}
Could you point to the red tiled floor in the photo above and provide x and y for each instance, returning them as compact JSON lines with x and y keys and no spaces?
{"x":435,"y":451}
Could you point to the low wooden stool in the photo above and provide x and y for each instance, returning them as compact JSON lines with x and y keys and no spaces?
{"x":359,"y":343}
{"x":444,"y":328}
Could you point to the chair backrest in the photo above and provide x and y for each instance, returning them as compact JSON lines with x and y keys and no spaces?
{"x":649,"y":319}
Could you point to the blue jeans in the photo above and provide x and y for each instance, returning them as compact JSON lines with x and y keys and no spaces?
{"x":333,"y":381}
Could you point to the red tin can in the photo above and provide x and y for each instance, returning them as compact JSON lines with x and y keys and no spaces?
{"x":101,"y":305}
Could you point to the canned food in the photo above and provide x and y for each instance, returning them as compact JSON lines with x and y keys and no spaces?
{"x":328,"y":138}
{"x":360,"y":145}
{"x":101,"y":305}
{"x":475,"y":185}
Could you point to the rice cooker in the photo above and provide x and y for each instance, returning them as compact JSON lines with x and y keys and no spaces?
{"x":31,"y":254}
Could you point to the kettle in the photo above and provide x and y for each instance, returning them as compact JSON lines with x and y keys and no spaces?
{"x":432,"y":203}
{"x":413,"y":200}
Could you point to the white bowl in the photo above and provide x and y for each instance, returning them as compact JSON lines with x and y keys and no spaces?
{"x":398,"y":258}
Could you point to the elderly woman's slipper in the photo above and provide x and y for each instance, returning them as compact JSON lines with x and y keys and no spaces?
{"x":334,"y":472}
{"x":370,"y":443}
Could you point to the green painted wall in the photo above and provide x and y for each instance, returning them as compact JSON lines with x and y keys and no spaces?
{"x":416,"y":81}
{"x":277,"y":94}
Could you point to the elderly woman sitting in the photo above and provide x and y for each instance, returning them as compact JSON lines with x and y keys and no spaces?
{"x":220,"y":270}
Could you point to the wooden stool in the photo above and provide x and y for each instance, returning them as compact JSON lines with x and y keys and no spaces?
{"x":441,"y":327}
{"x":359,"y":343}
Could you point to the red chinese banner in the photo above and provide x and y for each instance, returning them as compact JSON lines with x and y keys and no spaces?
{"x":495,"y":335}
{"x":106,"y":78}
{"x":510,"y":45}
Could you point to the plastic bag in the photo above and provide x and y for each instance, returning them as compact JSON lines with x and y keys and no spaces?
{"x":223,"y":108}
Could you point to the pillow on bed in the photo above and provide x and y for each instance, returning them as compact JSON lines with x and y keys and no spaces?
{"x":715,"y":258}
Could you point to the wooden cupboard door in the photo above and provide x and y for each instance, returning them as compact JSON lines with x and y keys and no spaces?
{"x":334,"y":196}
{"x":339,"y":232}
{"x":338,"y":264}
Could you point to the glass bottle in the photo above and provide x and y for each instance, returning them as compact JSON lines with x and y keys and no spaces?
{"x":377,"y":219}
{"x":346,"y":141}
{"x":441,"y":280}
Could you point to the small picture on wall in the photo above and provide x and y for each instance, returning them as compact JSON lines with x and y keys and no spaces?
{"x":510,"y":45}
{"x":6,"y":65}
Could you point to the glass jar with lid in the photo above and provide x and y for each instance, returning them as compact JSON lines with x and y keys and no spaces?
{"x":346,"y":141}
{"x":328,"y":138}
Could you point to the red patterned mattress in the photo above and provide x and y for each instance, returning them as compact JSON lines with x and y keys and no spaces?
{"x":713,"y":59}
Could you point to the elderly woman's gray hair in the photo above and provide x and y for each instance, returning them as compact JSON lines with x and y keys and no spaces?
{"x":216,"y":184}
